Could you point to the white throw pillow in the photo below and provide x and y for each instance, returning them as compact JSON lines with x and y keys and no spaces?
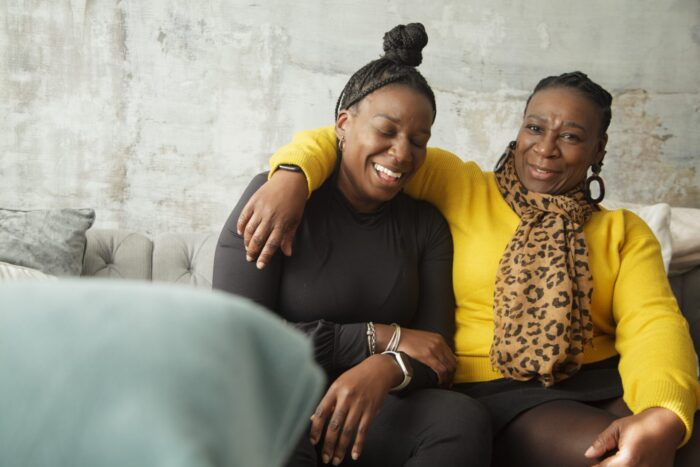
{"x":658,"y":218}
{"x":685,"y":230}
{"x":9,"y":272}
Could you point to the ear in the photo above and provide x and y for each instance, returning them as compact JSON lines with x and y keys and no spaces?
{"x":600,"y":150}
{"x":342,"y":123}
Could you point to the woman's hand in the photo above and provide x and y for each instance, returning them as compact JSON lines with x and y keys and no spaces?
{"x":271,"y":216}
{"x":350,"y":404}
{"x":649,"y":438}
{"x":427,"y":347}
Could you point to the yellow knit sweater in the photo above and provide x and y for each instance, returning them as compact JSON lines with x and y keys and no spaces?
{"x":634,"y":311}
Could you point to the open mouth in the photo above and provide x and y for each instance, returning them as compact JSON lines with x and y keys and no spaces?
{"x":541,"y":173}
{"x":387,"y":174}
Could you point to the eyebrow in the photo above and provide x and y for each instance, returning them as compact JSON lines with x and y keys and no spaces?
{"x":397,"y":121}
{"x":566,"y":124}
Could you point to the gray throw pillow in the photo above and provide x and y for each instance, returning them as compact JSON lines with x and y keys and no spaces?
{"x":52,"y":241}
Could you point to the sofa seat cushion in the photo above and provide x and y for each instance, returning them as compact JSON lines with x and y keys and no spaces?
{"x":117,"y":373}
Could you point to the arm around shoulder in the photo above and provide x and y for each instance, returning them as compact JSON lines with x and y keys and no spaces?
{"x":314,"y":151}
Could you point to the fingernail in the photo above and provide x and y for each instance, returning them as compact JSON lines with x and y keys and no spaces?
{"x":238,"y":231}
{"x":248,"y":258}
{"x":325,"y":458}
{"x":336,"y":460}
{"x":313,"y":441}
{"x":260,"y":265}
{"x":589,"y":452}
{"x":355,"y":455}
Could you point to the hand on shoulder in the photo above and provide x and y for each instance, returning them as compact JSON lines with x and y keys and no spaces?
{"x":271,"y":216}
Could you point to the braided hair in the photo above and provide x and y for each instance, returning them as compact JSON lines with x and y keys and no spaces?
{"x":402,"y":53}
{"x":586,"y":86}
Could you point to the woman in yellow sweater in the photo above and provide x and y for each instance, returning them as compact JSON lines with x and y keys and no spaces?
{"x":567,"y":328}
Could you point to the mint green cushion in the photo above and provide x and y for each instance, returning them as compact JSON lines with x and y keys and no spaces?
{"x":114,"y":373}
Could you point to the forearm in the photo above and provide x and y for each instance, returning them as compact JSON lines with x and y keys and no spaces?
{"x":423,"y":375}
{"x":314,"y":151}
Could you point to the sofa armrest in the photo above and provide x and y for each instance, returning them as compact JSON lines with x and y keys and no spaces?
{"x":686,"y":288}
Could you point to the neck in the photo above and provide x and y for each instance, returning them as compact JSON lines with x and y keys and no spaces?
{"x":353,"y":194}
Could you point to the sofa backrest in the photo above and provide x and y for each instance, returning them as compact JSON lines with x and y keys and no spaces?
{"x":189,"y":259}
{"x":168,"y":257}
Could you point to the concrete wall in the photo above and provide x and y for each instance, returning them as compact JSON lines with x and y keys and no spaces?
{"x":158,"y":112}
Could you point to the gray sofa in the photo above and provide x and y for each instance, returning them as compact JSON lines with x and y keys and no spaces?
{"x":189,"y":259}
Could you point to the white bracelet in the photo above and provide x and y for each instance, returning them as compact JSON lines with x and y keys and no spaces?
{"x":405,"y":366}
{"x":393,"y":344}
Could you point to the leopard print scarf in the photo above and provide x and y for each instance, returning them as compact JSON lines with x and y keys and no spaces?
{"x":543,"y":288}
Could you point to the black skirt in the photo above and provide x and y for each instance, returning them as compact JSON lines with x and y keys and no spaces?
{"x":505,"y":399}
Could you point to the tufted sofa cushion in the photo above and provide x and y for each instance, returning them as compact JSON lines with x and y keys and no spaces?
{"x":184,"y":258}
{"x":118,"y":254}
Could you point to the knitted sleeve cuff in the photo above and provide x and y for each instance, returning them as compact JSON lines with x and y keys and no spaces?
{"x":681,"y":399}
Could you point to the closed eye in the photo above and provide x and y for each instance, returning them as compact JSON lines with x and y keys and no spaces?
{"x":570,"y":137}
{"x":386,"y":132}
{"x":534,"y":128}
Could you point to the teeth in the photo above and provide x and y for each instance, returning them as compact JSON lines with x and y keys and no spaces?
{"x":542,"y":171}
{"x":381,"y":168}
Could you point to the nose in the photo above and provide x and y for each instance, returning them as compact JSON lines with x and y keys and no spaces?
{"x":546,"y":146}
{"x":401,"y":152}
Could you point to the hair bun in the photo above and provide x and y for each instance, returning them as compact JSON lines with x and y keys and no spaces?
{"x":404,"y":43}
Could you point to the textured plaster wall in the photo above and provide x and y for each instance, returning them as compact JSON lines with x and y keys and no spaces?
{"x":157,"y":113}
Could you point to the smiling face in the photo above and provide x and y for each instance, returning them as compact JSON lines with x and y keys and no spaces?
{"x":558,"y":140}
{"x":385,"y":135}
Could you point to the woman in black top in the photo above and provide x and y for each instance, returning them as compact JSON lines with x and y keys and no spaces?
{"x":366,"y":256}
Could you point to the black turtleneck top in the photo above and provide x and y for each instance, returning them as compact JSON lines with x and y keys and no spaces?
{"x":347,"y":268}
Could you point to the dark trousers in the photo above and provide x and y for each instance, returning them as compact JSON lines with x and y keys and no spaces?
{"x":426,"y":428}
